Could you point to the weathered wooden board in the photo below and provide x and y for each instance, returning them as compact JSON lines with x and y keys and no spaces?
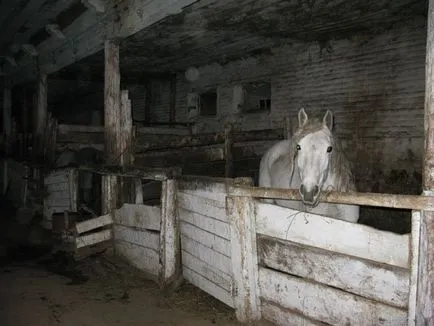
{"x":93,"y":238}
{"x":58,"y":176}
{"x":143,"y":258}
{"x":139,"y":216}
{"x":143,"y":238}
{"x":209,"y":256}
{"x":209,"y":272}
{"x":332,"y":234}
{"x":284,"y":317}
{"x":326,"y":304}
{"x":202,"y":205}
{"x":206,"y":223}
{"x":207,"y":286}
{"x":94,"y":223}
{"x":414,"y":270}
{"x":208,"y":239}
{"x":374,"y":281}
{"x":61,"y":186}
{"x":208,"y":187}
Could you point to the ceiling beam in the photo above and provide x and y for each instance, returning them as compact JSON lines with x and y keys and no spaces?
{"x":47,"y":13}
{"x":31,"y":9}
{"x":87,"y":34}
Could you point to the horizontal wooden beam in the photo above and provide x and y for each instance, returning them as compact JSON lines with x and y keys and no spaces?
{"x":159,"y":174}
{"x":356,"y":198}
{"x":86,"y":35}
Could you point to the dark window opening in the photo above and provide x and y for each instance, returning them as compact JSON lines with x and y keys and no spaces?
{"x":208,"y":104}
{"x":257,"y":97}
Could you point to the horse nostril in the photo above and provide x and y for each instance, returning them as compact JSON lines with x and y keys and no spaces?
{"x":301,"y":188}
{"x":316,"y":190}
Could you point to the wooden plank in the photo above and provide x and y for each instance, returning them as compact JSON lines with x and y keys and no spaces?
{"x":73,"y":189}
{"x":139,"y":216}
{"x":349,"y":198}
{"x":143,"y":258}
{"x":244,"y":258}
{"x":59,"y":194}
{"x":94,"y":223}
{"x":139,"y":191}
{"x":59,"y":177}
{"x":325,"y":304}
{"x":62,"y":186}
{"x":143,"y":238}
{"x":209,"y":272}
{"x":207,"y":286}
{"x":229,"y":160}
{"x":66,"y":129}
{"x":57,"y":202}
{"x":414,"y":266}
{"x":332,"y":234}
{"x":203,"y":206}
{"x":209,"y":240}
{"x":162,"y":131}
{"x":209,"y":256}
{"x":364,"y":278}
{"x":209,"y":224}
{"x":170,"y":247}
{"x":93,"y":238}
{"x":284,"y":317}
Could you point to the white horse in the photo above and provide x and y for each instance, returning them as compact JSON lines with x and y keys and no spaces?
{"x":311,"y":161}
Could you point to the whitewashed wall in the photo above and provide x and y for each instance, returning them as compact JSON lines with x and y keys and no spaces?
{"x":205,"y":235}
{"x":61,"y":188}
{"x":292,"y":268}
{"x":314,"y":268}
{"x":136,"y":232}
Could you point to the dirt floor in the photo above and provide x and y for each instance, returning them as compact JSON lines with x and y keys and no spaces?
{"x":100,"y":291}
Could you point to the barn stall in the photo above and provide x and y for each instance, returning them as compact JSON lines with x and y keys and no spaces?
{"x":375,"y":58}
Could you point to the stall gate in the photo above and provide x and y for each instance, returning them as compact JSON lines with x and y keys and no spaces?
{"x":293,"y":268}
{"x":142,"y":234}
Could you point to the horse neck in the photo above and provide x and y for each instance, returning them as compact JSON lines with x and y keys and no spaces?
{"x":340,"y":177}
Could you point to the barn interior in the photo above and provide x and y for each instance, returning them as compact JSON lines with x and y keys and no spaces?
{"x":201,"y":68}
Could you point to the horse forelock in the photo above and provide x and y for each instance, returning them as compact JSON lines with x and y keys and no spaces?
{"x":339,"y":166}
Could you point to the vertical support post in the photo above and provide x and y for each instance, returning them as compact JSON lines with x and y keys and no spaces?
{"x":170,"y":245}
{"x":40,"y":117}
{"x":112,"y":97}
{"x":126,"y":150}
{"x":414,"y":261}
{"x":245,"y":274}
{"x":229,"y":165}
{"x":7,"y":129}
{"x":172,"y":108}
{"x":425,"y":289}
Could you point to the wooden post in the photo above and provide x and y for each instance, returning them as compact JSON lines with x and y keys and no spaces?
{"x":229,"y":165}
{"x":126,"y":147}
{"x":245,"y":287}
{"x":40,"y":117}
{"x":170,"y":245}
{"x":112,"y":107}
{"x":425,"y":290}
{"x":7,"y":128}
{"x":424,"y":306}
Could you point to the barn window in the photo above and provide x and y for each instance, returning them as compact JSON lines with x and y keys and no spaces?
{"x":257,"y":97}
{"x":208,"y":103}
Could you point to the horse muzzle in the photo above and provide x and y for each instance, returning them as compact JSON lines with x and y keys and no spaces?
{"x":310,"y":197}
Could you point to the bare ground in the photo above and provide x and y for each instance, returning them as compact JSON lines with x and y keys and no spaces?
{"x":113,"y":293}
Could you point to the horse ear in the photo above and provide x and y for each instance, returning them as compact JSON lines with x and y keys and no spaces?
{"x":302,"y":117}
{"x":328,"y":120}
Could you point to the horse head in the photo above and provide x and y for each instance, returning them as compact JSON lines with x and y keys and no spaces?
{"x":312,"y":148}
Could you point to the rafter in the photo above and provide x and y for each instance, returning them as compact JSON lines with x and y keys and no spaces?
{"x":29,"y":10}
{"x":87,"y":34}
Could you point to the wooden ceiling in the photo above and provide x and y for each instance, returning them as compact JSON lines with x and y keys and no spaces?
{"x":220,"y":31}
{"x":165,"y":36}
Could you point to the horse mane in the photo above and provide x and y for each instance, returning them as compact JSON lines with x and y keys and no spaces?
{"x":340,"y":166}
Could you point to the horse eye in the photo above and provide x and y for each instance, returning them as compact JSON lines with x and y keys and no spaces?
{"x":298,"y":147}
{"x":329,"y":149}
